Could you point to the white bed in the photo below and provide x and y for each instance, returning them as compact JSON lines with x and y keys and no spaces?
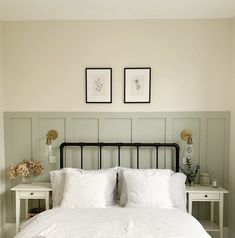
{"x":113,"y":223}
{"x":153,"y":204}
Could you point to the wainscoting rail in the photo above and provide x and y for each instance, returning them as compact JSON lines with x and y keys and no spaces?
{"x":25,"y":138}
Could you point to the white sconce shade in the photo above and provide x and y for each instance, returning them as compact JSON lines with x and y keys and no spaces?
{"x":188,"y":149}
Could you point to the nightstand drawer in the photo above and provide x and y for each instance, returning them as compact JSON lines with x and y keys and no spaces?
{"x":205,"y":196}
{"x":32,"y":194}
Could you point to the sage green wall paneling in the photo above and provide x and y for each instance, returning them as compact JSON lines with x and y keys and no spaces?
{"x":151,"y":130}
{"x":116,"y":130}
{"x":43,"y":126}
{"x":180,"y":124}
{"x":216,"y":149}
{"x":19,"y":147}
{"x":226,"y":163}
{"x":25,"y":137}
{"x":87,"y":130}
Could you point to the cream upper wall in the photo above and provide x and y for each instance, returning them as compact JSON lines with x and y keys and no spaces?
{"x":44,"y":63}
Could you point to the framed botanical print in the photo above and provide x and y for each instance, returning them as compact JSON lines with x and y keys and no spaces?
{"x":98,"y":85}
{"x":137,"y":85}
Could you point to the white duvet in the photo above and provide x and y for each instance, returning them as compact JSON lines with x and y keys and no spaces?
{"x":112,"y":223}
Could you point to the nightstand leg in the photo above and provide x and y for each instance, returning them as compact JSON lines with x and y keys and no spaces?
{"x":190,"y":204}
{"x":26,"y":208}
{"x":47,"y":201}
{"x":212,"y":211}
{"x":221,"y":217}
{"x":17,"y":211}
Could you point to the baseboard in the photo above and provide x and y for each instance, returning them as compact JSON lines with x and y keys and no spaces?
{"x":231,"y":234}
{"x":8,"y":230}
{"x":216,"y":234}
{"x":1,"y":231}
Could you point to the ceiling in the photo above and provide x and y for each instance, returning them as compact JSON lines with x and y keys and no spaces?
{"x":115,"y":9}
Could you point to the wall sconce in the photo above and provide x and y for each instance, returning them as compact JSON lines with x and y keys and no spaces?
{"x":186,"y":135}
{"x":51,"y":135}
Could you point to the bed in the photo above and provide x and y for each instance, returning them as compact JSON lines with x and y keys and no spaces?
{"x":151,"y":201}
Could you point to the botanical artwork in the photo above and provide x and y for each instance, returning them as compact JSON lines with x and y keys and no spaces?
{"x":98,"y":85}
{"x":137,"y":85}
{"x":137,"y":88}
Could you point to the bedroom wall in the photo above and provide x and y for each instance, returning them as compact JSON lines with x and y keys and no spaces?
{"x":190,"y":60}
{"x":232,"y":148}
{"x":2,"y":159}
{"x":44,"y":66}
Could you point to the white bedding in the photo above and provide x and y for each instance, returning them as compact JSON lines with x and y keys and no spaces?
{"x":112,"y":223}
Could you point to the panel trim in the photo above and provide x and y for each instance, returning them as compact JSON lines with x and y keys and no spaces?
{"x":168,"y":118}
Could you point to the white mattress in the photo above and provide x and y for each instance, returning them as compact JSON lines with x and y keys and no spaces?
{"x":112,"y":223}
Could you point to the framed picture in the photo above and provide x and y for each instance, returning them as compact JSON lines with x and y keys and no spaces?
{"x":98,"y":85}
{"x":137,"y":85}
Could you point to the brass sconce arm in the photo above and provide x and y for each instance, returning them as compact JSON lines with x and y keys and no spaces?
{"x":51,"y":135}
{"x":187,"y":136}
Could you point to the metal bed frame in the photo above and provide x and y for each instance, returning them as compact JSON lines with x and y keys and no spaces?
{"x":100,"y":145}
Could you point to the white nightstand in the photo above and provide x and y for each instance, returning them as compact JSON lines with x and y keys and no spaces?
{"x":30,"y":191}
{"x":208,"y":194}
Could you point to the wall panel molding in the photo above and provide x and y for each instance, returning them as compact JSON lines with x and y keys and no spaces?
{"x":210,"y":136}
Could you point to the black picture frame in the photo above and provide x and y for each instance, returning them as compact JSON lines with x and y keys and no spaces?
{"x":145,"y":75}
{"x":104,"y":76}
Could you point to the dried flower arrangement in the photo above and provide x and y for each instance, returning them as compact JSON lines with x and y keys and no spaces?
{"x":190,"y":171}
{"x":25,"y":169}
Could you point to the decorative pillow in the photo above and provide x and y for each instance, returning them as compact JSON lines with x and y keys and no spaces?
{"x":84,"y":190}
{"x":122,"y":188}
{"x":111,"y":188}
{"x":178,"y":190}
{"x":148,"y":188}
{"x":58,"y":180}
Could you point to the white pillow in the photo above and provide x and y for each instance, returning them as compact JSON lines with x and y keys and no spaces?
{"x":148,"y":189}
{"x":122,"y":188}
{"x":84,"y":190}
{"x":58,"y":180}
{"x":178,"y":190}
{"x":111,"y":188}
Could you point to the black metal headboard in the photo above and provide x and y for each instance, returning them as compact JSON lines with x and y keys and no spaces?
{"x":119,"y":145}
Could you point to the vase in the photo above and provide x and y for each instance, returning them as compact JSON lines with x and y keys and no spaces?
{"x":26,"y":179}
{"x":190,"y":182}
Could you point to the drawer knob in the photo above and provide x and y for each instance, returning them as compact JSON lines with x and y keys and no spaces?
{"x":31,"y":193}
{"x":206,"y":196}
